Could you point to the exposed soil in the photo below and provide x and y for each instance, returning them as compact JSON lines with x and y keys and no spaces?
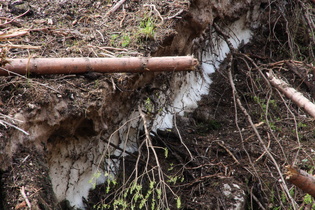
{"x":61,"y":110}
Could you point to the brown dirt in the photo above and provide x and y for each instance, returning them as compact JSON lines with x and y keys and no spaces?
{"x":216,"y":136}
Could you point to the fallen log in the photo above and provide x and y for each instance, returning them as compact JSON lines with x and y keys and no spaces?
{"x":103,"y":65}
{"x":301,"y":179}
{"x":293,"y":94}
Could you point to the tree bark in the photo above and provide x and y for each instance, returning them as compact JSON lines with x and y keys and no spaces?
{"x":103,"y":65}
{"x":301,"y":179}
{"x":293,"y":94}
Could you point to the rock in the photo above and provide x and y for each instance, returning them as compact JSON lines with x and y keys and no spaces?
{"x":234,"y":196}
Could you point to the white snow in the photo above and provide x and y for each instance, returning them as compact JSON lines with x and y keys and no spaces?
{"x":194,"y":84}
{"x":187,"y":90}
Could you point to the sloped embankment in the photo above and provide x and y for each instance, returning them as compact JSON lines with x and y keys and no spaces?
{"x":81,"y":127}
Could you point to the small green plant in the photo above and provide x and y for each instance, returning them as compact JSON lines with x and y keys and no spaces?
{"x":175,"y":179}
{"x":308,"y":199}
{"x":96,"y":83}
{"x":178,"y":203}
{"x":272,"y":125}
{"x":272,"y":198}
{"x":148,"y":105}
{"x":95,"y":176}
{"x":136,"y":197}
{"x":165,"y":152}
{"x":171,"y":167}
{"x":147,"y":27}
{"x":263,"y":103}
{"x":125,"y":40}
{"x":113,"y":39}
{"x":301,"y":125}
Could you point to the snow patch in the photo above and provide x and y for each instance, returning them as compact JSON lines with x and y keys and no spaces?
{"x":187,"y":90}
{"x":193,"y":85}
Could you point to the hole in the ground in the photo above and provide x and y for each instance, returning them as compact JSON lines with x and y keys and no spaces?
{"x":85,"y":128}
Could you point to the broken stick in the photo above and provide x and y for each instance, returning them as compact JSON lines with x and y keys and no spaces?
{"x":103,"y":65}
{"x":293,"y":94}
{"x":301,"y":179}
{"x":114,"y":8}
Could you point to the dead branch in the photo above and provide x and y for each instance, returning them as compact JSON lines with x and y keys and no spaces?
{"x":152,"y":6}
{"x":228,"y":151}
{"x":293,"y":94}
{"x":114,"y":8}
{"x":103,"y":65}
{"x":238,"y":102}
{"x":123,"y":18}
{"x":175,"y":15}
{"x":25,"y":197}
{"x":20,"y":46}
{"x":10,"y":34}
{"x":13,"y":19}
{"x":24,"y":77}
{"x":301,"y":179}
{"x":181,"y":139}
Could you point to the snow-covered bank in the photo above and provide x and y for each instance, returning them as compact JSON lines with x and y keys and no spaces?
{"x":191,"y":86}
{"x":185,"y":91}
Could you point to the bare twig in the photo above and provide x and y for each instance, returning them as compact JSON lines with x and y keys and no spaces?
{"x":176,"y":14}
{"x":228,"y":151}
{"x":249,"y":119}
{"x":101,"y":35}
{"x":181,"y":139}
{"x":265,"y":150}
{"x":20,"y":46}
{"x":2,"y":122}
{"x":150,"y":146}
{"x":11,"y":34}
{"x":22,"y":190}
{"x":114,"y":8}
{"x":44,"y":85}
{"x":103,"y":65}
{"x":123,"y":18}
{"x":152,"y":6}
{"x":110,"y":138}
{"x":256,"y":200}
{"x":13,"y":19}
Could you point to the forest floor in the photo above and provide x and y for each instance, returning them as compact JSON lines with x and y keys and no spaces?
{"x":224,"y":145}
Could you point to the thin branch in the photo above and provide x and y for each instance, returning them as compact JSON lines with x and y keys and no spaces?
{"x":239,"y":103}
{"x":181,"y":139}
{"x":2,"y":122}
{"x":22,"y":190}
{"x":15,"y":18}
{"x":176,"y":14}
{"x":114,"y":8}
{"x":156,"y":11}
{"x":228,"y":151}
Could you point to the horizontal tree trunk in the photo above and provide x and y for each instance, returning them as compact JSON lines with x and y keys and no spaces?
{"x":103,"y":65}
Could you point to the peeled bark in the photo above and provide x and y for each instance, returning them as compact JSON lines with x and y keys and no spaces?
{"x":301,"y":179}
{"x":103,"y":65}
